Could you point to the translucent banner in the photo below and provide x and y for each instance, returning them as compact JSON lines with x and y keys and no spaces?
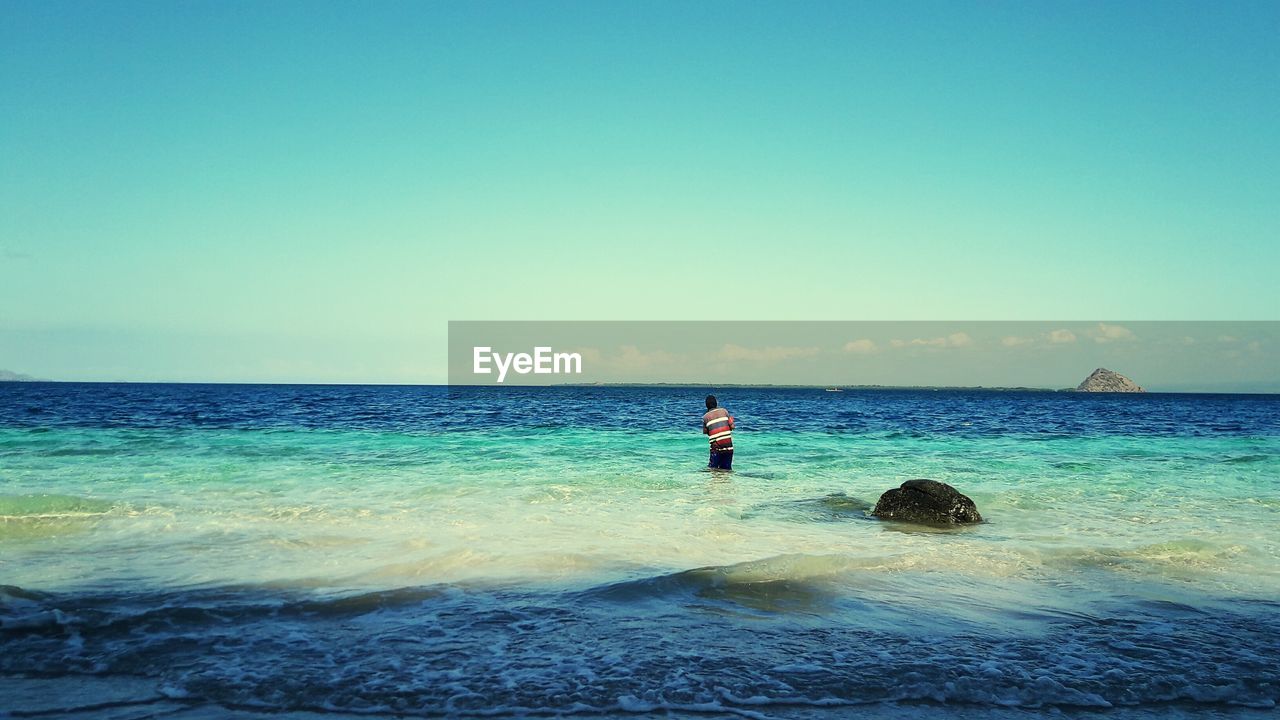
{"x":1049,"y":355}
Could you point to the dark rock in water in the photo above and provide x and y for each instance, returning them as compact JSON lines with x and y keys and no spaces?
{"x":927,"y":502}
{"x":1104,"y":380}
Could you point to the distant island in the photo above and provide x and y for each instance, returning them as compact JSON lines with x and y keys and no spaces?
{"x":778,"y":386}
{"x":10,"y":376}
{"x":1104,"y":380}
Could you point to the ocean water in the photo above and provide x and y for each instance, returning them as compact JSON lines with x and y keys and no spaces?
{"x":491,"y":551}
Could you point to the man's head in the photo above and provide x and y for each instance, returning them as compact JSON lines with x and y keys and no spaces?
{"x":711,"y":402}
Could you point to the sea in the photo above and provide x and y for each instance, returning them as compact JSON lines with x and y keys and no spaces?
{"x":184,"y":551}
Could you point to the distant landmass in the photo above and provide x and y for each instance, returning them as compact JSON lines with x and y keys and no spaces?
{"x":10,"y":376}
{"x":776,"y":386}
{"x":1100,"y":380}
{"x":1104,"y":380}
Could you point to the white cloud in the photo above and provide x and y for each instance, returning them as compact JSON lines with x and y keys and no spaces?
{"x":1060,"y":337}
{"x":861,"y":347}
{"x":631,"y":359}
{"x":1227,"y":338}
{"x":954,"y":340}
{"x":1110,"y":333}
{"x":772,"y":354}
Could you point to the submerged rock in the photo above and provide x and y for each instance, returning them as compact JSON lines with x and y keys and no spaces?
{"x":1104,"y":380}
{"x":927,"y":502}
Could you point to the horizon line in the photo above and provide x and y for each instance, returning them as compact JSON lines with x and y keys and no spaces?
{"x":747,"y":386}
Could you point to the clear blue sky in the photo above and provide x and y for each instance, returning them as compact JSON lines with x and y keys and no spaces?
{"x":310,"y":191}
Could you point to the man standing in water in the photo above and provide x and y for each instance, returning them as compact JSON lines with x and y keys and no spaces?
{"x":718,"y":425}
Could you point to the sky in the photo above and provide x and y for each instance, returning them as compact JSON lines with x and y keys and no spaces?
{"x":310,"y":191}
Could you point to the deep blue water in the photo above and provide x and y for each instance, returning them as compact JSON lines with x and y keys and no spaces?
{"x":423,"y":550}
{"x":436,"y":408}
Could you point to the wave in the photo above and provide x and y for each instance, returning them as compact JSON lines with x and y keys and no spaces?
{"x":35,"y":517}
{"x":786,"y":583}
{"x":1246,"y":459}
{"x":26,"y":610}
{"x":639,"y":646}
{"x":1174,"y":556}
{"x":50,"y":506}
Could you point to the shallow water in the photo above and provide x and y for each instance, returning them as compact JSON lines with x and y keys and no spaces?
{"x":507,"y":550}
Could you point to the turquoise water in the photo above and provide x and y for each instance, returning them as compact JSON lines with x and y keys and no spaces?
{"x":404,"y":549}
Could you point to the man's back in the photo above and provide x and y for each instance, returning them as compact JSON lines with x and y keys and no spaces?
{"x":717,"y":425}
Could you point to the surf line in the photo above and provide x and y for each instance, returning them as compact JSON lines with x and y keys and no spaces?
{"x":543,"y":361}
